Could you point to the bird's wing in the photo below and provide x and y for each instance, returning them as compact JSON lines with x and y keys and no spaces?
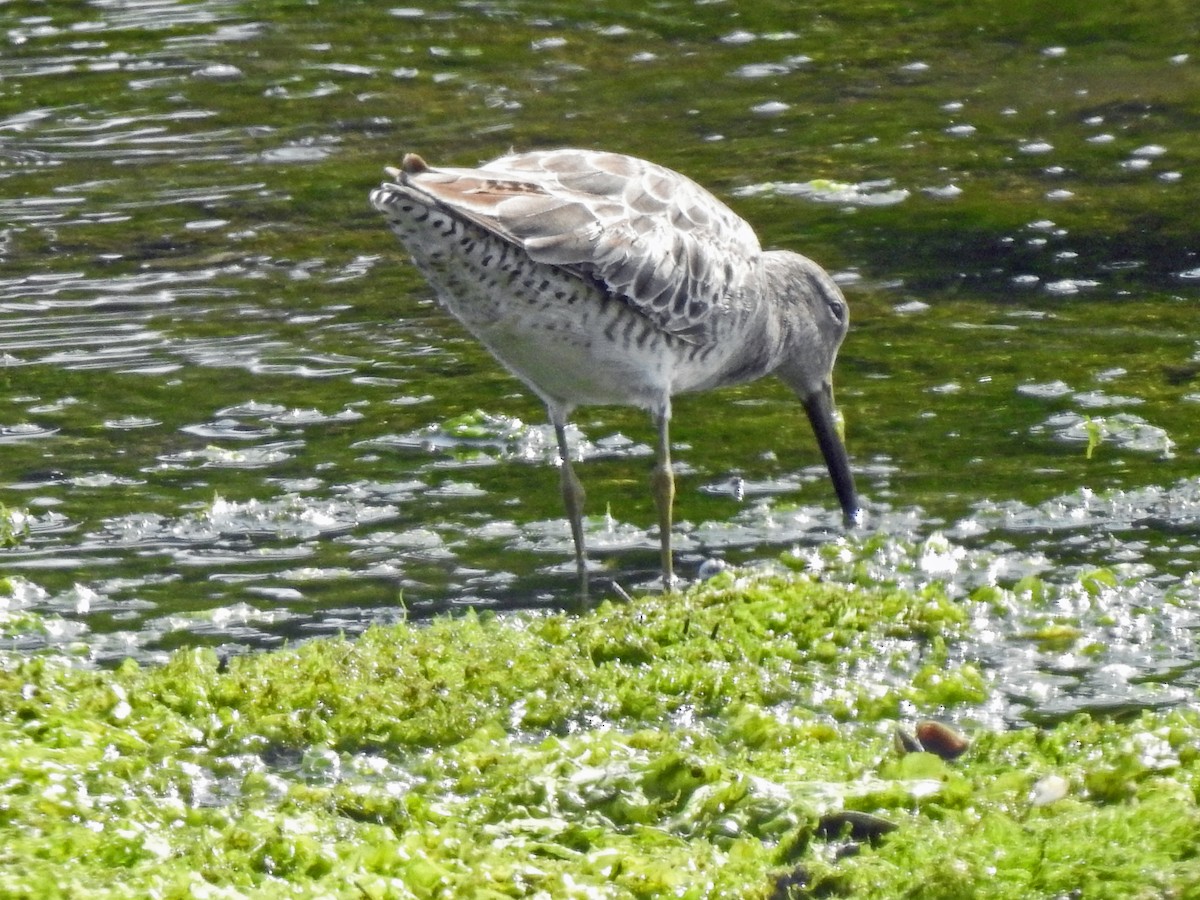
{"x":647,"y":234}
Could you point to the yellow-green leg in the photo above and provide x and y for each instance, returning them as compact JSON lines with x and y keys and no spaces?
{"x":573,"y":497}
{"x":662,"y":484}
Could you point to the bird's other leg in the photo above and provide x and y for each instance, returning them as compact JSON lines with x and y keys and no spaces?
{"x":662,"y":483}
{"x":573,"y":496}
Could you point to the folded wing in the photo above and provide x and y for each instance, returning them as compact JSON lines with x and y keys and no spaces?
{"x":647,"y":234}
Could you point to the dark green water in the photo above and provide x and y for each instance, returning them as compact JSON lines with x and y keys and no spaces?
{"x":233,"y":415}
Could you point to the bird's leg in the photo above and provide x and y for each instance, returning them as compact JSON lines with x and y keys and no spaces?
{"x":573,"y":496}
{"x":662,"y":483}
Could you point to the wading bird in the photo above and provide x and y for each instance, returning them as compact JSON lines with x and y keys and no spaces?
{"x":598,"y":278}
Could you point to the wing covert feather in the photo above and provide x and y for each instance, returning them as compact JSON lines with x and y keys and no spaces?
{"x":650,"y":235}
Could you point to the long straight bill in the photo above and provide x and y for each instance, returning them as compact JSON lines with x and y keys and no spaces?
{"x":819,"y":407}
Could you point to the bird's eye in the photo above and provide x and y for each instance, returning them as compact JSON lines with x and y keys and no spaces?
{"x":837,"y":309}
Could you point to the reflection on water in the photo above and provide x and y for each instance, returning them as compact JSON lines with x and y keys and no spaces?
{"x":233,"y":416}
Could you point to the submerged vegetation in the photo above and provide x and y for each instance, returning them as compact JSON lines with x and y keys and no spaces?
{"x":747,"y":738}
{"x":14,"y":524}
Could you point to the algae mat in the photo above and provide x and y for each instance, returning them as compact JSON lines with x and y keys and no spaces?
{"x":738,"y":740}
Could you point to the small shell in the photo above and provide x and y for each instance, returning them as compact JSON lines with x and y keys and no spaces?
{"x":1049,"y":789}
{"x":855,"y":825}
{"x":906,"y":741}
{"x":941,"y":740}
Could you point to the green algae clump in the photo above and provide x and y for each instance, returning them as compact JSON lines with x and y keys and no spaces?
{"x":734,"y":740}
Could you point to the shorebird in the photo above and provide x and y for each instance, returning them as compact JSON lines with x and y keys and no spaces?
{"x":599,"y":278}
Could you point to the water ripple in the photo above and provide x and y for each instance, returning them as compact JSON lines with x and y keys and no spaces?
{"x":24,"y":432}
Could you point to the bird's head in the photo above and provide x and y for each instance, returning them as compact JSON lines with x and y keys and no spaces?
{"x":814,"y":321}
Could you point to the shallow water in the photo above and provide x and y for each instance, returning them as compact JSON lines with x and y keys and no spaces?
{"x":233,"y":414}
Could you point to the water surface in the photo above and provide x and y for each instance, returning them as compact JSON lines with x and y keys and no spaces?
{"x":234,"y":415}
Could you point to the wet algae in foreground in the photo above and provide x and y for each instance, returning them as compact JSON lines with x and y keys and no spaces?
{"x":737,"y":740}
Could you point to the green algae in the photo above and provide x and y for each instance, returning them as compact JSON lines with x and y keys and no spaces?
{"x":14,"y":526}
{"x":704,"y":744}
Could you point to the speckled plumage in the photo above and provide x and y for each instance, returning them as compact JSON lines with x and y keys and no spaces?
{"x":599,"y":278}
